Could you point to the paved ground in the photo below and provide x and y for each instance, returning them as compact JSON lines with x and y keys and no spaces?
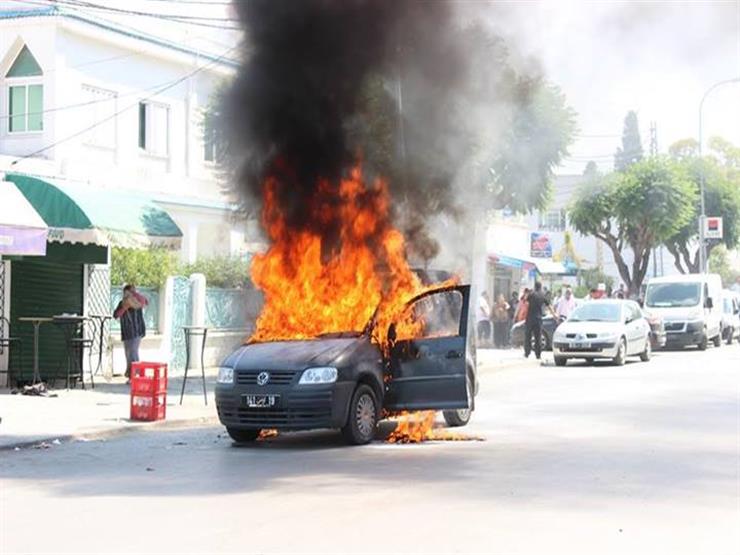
{"x":639,"y":459}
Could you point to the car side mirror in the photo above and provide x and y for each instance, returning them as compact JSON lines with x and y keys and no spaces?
{"x":708,"y":303}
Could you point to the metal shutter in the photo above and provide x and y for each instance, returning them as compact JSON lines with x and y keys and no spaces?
{"x":44,"y":288}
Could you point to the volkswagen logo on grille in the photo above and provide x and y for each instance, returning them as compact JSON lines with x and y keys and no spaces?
{"x":263,"y":378}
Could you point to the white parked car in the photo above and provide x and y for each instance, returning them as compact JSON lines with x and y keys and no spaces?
{"x":613,"y":329}
{"x":730,"y":316}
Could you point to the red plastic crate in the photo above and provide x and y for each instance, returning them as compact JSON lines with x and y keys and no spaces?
{"x":149,"y":408}
{"x":148,"y":378}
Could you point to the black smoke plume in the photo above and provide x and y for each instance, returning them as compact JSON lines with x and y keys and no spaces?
{"x":321,"y":86}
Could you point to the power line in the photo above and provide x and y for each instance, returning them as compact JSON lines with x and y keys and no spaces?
{"x":116,"y":114}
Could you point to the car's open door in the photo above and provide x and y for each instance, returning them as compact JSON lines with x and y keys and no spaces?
{"x":428,"y":369}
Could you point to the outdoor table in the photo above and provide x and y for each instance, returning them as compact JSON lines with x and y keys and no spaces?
{"x":102,"y":319}
{"x":36,"y":321}
{"x":191,"y":331}
{"x":69,"y":324}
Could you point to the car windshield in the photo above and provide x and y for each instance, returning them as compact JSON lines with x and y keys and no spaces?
{"x":663,"y":295}
{"x":596,"y":312}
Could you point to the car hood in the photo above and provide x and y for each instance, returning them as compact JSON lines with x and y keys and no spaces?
{"x":292,"y":355}
{"x":676,"y":312}
{"x":589,"y":327}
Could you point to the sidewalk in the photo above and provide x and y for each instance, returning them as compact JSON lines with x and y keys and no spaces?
{"x":86,"y":414}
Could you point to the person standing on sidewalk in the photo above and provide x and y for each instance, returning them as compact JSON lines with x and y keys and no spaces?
{"x":533,"y":326}
{"x":483,"y":319}
{"x":500,"y":318}
{"x":513,"y":305}
{"x":131,"y":315}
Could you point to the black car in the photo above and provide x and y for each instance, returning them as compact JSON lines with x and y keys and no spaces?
{"x":548,"y":328}
{"x":344,"y":380}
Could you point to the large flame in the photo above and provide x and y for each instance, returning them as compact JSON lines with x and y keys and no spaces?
{"x":309,"y":292}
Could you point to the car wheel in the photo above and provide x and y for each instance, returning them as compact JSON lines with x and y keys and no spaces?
{"x":647,"y":353}
{"x":561,"y":361}
{"x":704,"y":342}
{"x":621,"y":353}
{"x":243,"y":436}
{"x":717,"y":340}
{"x":730,"y":335}
{"x":363,"y":416}
{"x":457,"y":418}
{"x":589,"y":361}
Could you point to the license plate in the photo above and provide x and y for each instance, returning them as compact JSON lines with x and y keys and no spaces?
{"x":260,"y":401}
{"x":581,"y":345}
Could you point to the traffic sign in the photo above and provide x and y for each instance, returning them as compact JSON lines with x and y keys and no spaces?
{"x":712,"y":227}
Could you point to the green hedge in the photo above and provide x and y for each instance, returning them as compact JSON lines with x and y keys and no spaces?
{"x":150,"y":268}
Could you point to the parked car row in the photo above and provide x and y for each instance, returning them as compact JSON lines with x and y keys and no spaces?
{"x":679,"y":311}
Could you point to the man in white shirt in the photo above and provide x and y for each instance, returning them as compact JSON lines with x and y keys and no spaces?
{"x":566,"y":305}
{"x":483,"y":318}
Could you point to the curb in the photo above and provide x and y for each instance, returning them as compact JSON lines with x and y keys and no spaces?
{"x":199,"y":422}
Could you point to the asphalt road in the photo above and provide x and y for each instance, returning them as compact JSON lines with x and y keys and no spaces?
{"x":639,"y":459}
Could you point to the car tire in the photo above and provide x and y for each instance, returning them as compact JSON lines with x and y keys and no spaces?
{"x":648,"y":352}
{"x":704,"y":342}
{"x":561,"y":361}
{"x":717,"y":340}
{"x":589,"y":361}
{"x":619,"y":360}
{"x":730,"y":336}
{"x":363,"y":416}
{"x":457,"y":418}
{"x":460,"y":417}
{"x":243,"y":436}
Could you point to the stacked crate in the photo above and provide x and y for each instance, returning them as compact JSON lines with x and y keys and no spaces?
{"x":148,"y":391}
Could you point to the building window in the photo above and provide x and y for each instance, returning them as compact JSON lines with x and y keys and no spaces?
{"x":553,"y":220}
{"x":100,"y":114}
{"x":25,"y":94}
{"x":154,"y":128}
{"x":212,"y":137}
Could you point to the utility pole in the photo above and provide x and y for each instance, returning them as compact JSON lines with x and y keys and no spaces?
{"x":702,"y":240}
{"x":653,"y":154}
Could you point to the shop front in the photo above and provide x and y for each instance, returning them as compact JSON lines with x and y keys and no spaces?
{"x":71,"y":277}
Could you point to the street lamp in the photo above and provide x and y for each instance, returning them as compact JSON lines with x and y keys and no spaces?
{"x":702,"y":240}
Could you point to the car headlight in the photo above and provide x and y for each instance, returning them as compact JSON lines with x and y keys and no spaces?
{"x":225,"y":375}
{"x":322,"y":374}
{"x":558,"y":336}
{"x":608,"y":336}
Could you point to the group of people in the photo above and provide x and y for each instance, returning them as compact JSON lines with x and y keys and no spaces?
{"x":527,"y":307}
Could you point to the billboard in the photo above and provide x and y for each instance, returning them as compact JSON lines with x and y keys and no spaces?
{"x":540,"y":246}
{"x":712,"y":227}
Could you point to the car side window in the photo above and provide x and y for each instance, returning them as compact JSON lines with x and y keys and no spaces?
{"x":435,"y":315}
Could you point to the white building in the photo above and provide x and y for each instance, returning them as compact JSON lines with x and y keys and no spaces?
{"x":87,"y":102}
{"x":110,"y":124}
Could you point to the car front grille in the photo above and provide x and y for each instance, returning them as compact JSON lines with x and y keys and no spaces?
{"x":588,"y":335}
{"x":277,"y":377}
{"x":674,"y":326}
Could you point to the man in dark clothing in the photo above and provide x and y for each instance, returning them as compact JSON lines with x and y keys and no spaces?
{"x":130,"y":312}
{"x":533,"y":325}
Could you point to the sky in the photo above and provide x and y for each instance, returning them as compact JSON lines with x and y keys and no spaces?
{"x":657,"y":58}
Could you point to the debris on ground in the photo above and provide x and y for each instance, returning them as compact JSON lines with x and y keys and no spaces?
{"x":35,"y":390}
{"x":149,"y":469}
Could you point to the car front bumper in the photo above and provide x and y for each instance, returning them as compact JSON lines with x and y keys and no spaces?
{"x":298,"y":407}
{"x":596,"y":349}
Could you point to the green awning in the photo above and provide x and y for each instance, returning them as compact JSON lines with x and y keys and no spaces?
{"x":87,"y":215}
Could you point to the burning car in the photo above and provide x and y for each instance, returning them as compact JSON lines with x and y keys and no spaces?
{"x":351,"y":379}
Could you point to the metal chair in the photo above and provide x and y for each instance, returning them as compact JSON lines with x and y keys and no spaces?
{"x":7,"y":341}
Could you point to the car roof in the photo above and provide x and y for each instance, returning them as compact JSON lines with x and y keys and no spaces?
{"x":682,"y":278}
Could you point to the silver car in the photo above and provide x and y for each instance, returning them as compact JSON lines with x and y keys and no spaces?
{"x":613,"y":329}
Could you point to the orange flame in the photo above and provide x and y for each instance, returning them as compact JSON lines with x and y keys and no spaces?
{"x":309,"y":293}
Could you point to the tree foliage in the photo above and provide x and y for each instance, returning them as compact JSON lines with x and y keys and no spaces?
{"x":631,"y":150}
{"x":721,"y":172}
{"x":152,"y":267}
{"x":638,"y":208}
{"x":719,"y":263}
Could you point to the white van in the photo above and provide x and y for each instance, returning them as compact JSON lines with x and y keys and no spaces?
{"x":691,"y":308}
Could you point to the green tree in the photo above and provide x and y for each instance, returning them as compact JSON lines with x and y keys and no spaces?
{"x":631,"y":150}
{"x":719,"y":263}
{"x":722,"y":198}
{"x":143,"y":267}
{"x":638,"y":208}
